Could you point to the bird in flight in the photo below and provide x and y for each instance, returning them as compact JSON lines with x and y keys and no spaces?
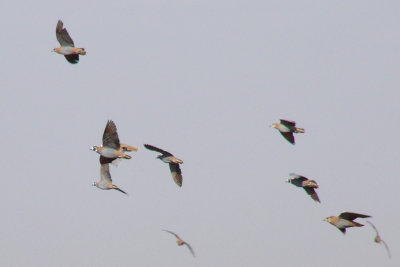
{"x":287,"y":128}
{"x":379,"y":240}
{"x":105,"y":181}
{"x":67,"y":47}
{"x":171,"y":160}
{"x":306,"y":184}
{"x":345,"y":220}
{"x":111,"y":150}
{"x":180,"y":242}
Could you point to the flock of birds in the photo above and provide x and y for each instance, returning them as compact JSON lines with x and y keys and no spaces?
{"x":112,"y":152}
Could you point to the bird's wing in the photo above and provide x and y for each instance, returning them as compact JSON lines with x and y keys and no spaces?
{"x":190,"y":248}
{"x":312,"y":193}
{"x":104,"y":160}
{"x":387,"y":248}
{"x":62,"y":35}
{"x":288,"y":136}
{"x":373,"y":226}
{"x":176,"y":173}
{"x":105,"y":173}
{"x":288,"y":124}
{"x":153,"y":148}
{"x":119,"y":189}
{"x":351,"y":216}
{"x":110,"y":136}
{"x":172,"y":233}
{"x":73,"y":59}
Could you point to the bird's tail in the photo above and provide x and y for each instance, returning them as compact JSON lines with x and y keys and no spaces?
{"x":129,"y":148}
{"x":125,"y":156}
{"x":358,"y":224}
{"x":82,"y":51}
{"x":300,"y":130}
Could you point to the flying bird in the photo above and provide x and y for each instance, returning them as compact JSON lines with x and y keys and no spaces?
{"x":306,"y":184}
{"x":67,"y":47}
{"x":379,"y":240}
{"x":287,"y":128}
{"x":105,"y":182}
{"x":171,"y":160}
{"x":111,"y":150}
{"x":180,"y":242}
{"x":345,"y":220}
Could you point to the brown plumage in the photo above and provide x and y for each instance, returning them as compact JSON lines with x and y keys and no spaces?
{"x":345,"y":220}
{"x":306,"y":184}
{"x":181,"y":242}
{"x":171,"y":160}
{"x":67,"y":48}
{"x":287,"y":128}
{"x":378,"y":238}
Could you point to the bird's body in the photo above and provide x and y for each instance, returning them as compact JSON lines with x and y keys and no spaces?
{"x":345,"y":220}
{"x":67,"y":47}
{"x":287,"y":128}
{"x":308,"y":185}
{"x":105,"y":182}
{"x":181,"y":242}
{"x":171,"y":160}
{"x":111,"y":148}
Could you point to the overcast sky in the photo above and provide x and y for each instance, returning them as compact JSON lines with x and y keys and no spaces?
{"x":202,"y":80}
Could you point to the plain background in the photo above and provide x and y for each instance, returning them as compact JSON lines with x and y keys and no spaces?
{"x":202,"y":80}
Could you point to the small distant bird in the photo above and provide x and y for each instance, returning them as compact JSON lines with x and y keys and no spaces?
{"x":306,"y":184}
{"x":379,"y":240}
{"x":345,"y":220}
{"x":287,"y":128}
{"x":180,"y":242}
{"x":111,"y":148}
{"x":67,"y":48}
{"x":105,"y":182}
{"x":171,"y":160}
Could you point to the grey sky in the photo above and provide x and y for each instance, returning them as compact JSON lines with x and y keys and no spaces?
{"x":203,"y":80}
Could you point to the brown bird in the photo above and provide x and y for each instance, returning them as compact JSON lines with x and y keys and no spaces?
{"x":67,"y":48}
{"x":171,"y":160}
{"x":345,"y":220}
{"x":111,"y":148}
{"x":378,"y":239}
{"x":180,"y":242}
{"x":306,"y":184}
{"x":287,"y":128}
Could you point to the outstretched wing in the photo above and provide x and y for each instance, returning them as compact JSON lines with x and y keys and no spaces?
{"x":297,"y":180}
{"x":373,"y":226}
{"x":190,"y":248}
{"x":105,"y":173}
{"x":289,"y":124}
{"x":73,"y":58}
{"x":110,"y":136}
{"x":387,"y":248}
{"x":351,"y":216}
{"x":172,"y":233}
{"x":288,"y":136}
{"x":176,"y":173}
{"x":62,"y":35}
{"x":312,"y":193}
{"x":153,"y":148}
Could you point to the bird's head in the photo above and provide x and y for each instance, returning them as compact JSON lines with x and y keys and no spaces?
{"x":328,"y":219}
{"x":274,"y":125}
{"x":94,"y":148}
{"x":94,"y":184}
{"x":159,"y":157}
